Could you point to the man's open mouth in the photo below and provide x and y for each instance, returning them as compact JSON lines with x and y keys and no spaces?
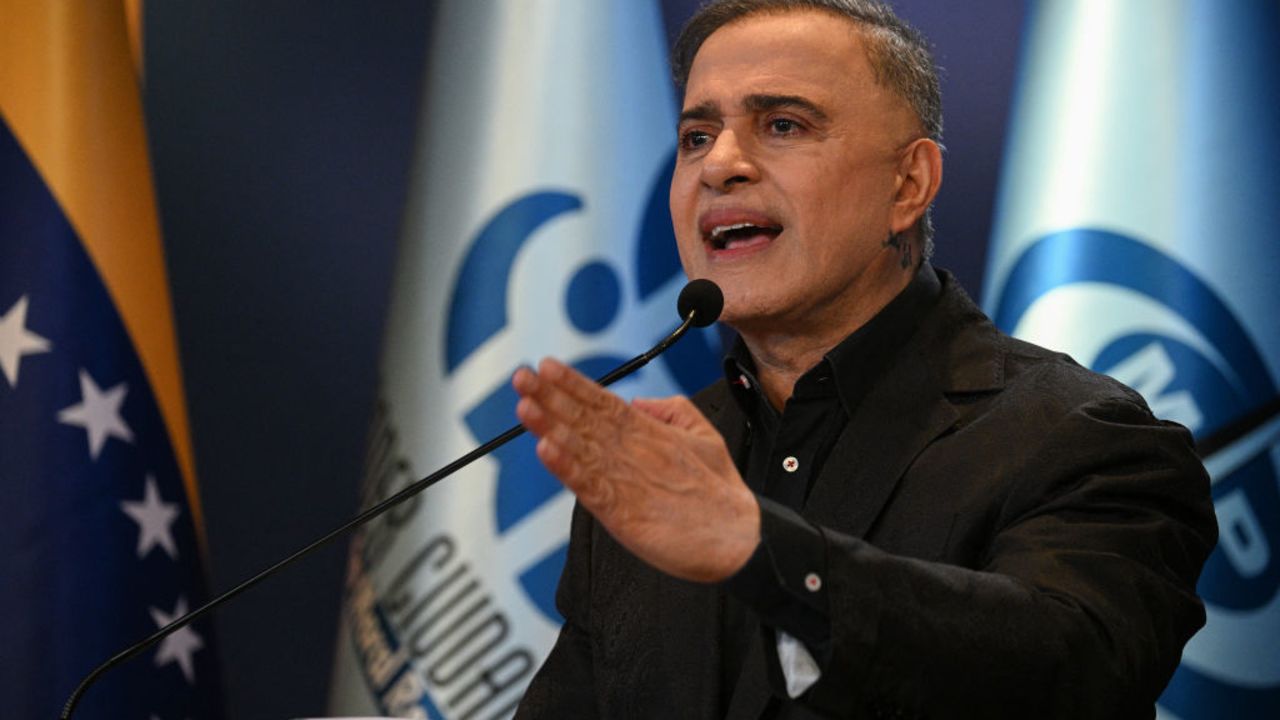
{"x":739,"y":235}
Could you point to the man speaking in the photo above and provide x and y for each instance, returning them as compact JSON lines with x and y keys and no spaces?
{"x":887,"y":508}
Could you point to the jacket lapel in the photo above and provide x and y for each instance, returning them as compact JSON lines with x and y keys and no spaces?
{"x":902,"y":415}
{"x":906,"y":410}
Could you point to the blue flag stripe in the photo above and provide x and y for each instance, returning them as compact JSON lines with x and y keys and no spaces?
{"x":98,"y":528}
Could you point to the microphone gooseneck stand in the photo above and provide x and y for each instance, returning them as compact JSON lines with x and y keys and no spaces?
{"x":699,"y":305}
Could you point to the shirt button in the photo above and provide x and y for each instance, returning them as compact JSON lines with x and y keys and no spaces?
{"x":812,"y":582}
{"x":791,"y":464}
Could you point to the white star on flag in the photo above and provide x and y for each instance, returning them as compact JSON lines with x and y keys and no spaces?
{"x":16,"y":340}
{"x":181,"y":645}
{"x":155,"y":520}
{"x":98,"y":413}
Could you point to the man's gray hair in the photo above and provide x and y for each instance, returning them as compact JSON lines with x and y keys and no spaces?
{"x":898,"y":54}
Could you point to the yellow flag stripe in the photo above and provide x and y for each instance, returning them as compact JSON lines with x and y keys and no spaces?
{"x":69,"y":94}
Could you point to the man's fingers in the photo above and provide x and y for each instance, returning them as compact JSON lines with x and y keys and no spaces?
{"x":563,"y":456}
{"x":548,"y":402}
{"x":569,"y":451}
{"x":533,"y":416}
{"x":570,"y":397}
{"x":578,"y":386}
{"x":559,"y":462}
{"x":525,"y":381}
{"x":554,"y":457}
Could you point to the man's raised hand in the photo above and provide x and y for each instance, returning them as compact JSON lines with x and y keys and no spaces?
{"x":655,"y":473}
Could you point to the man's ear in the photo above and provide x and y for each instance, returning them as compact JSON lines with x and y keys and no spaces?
{"x":919,"y":176}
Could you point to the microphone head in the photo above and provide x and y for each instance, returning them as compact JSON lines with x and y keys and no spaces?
{"x":702,"y":298}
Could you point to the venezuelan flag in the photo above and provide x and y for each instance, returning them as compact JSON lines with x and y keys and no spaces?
{"x":100,"y":527}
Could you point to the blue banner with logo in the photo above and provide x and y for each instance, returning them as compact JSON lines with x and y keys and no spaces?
{"x":537,"y":226}
{"x":1138,"y":231}
{"x":100,"y":534}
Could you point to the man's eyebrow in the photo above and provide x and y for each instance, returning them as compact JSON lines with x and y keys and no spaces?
{"x":765,"y":103}
{"x":706,"y":110}
{"x":710,"y":110}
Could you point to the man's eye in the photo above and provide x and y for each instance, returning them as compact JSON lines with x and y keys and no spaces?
{"x":783,"y":126}
{"x":694,"y":139}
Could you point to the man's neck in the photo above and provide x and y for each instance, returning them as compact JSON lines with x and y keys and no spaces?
{"x":783,"y":354}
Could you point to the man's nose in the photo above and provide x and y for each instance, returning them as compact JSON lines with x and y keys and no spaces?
{"x":729,"y":162}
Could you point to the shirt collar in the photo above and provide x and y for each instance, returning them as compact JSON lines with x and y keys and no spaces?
{"x":857,"y":362}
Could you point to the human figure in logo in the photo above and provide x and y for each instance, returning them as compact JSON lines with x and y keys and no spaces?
{"x":887,"y":508}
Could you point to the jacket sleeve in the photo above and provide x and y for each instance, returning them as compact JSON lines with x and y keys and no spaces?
{"x":1078,"y":604}
{"x":564,"y":687}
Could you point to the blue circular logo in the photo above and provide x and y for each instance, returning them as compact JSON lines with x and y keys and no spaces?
{"x":592,"y":300}
{"x":1124,"y":308}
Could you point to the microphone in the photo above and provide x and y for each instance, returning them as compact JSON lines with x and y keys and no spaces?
{"x":700,"y":300}
{"x":699,"y":304}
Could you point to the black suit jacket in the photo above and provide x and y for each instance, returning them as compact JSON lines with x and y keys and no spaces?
{"x":1006,"y":535}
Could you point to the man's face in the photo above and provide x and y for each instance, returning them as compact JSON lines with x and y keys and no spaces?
{"x":787,"y":171}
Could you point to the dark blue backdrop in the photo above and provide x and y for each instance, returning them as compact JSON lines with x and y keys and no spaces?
{"x":281,"y":135}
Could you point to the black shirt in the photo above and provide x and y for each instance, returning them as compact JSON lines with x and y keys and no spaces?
{"x":781,"y":586}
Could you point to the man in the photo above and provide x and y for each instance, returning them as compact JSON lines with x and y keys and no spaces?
{"x":888,"y":509}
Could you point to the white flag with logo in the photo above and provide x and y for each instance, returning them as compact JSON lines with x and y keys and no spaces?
{"x":1137,"y":231}
{"x":537,"y":226}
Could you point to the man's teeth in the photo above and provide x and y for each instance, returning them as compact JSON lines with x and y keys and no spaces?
{"x":718,"y":231}
{"x":723,"y":237}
